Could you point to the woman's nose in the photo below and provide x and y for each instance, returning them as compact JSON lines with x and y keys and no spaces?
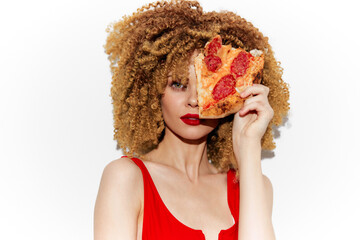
{"x":193,"y":101}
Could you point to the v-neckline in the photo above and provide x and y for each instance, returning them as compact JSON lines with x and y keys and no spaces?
{"x":178,"y":221}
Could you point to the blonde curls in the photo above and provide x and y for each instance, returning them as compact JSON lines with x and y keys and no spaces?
{"x":144,"y":47}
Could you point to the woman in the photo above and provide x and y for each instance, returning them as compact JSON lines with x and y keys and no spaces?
{"x":184,"y":178}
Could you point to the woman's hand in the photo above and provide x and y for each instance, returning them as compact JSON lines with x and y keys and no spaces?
{"x":251,"y":122}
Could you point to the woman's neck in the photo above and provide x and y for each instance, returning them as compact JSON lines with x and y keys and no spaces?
{"x":187,"y":156}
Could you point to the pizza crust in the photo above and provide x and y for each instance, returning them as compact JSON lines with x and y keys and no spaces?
{"x":223,"y":108}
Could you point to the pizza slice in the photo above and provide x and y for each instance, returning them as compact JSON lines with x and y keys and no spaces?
{"x":222,"y":73}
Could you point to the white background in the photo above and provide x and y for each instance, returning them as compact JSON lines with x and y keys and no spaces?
{"x":56,"y":131}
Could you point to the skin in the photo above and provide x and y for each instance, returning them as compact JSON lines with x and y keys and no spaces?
{"x":180,"y":160}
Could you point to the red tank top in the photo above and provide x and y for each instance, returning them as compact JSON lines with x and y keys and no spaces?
{"x":160,"y":224}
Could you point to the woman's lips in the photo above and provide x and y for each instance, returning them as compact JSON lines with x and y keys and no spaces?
{"x":191,"y":119}
{"x":189,"y":115}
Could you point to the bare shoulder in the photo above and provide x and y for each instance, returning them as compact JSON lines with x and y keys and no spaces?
{"x":119,"y":201}
{"x":269,"y":193}
{"x":123,"y":174}
{"x":122,"y":169}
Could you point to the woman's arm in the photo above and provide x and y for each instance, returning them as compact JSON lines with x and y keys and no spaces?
{"x":256,"y":196}
{"x":118,"y":202}
{"x":249,"y":125}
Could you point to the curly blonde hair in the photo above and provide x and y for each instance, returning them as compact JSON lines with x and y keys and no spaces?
{"x":155,"y":40}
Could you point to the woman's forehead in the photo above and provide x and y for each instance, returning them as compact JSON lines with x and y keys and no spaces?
{"x":194,"y":54}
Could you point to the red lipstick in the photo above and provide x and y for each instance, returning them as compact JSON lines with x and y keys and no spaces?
{"x":191,"y":119}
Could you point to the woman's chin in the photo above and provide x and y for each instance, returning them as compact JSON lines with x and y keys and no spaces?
{"x":189,"y":135}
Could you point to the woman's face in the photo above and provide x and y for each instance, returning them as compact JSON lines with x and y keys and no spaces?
{"x":178,"y":101}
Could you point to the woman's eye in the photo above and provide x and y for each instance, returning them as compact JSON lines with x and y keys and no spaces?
{"x":177,"y":85}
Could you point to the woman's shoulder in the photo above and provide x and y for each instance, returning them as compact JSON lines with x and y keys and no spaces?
{"x":125,"y":177}
{"x":120,"y":190}
{"x":123,"y":170}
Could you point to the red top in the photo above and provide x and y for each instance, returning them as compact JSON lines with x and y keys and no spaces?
{"x":160,"y":224}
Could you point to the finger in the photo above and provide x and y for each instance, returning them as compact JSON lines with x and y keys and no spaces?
{"x":255,"y":89}
{"x":263,"y":111}
{"x":261,"y":99}
{"x":254,"y":106}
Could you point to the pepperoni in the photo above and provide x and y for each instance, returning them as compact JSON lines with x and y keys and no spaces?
{"x":212,"y":62}
{"x":224,"y":87}
{"x":213,"y":46}
{"x":240,"y":64}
